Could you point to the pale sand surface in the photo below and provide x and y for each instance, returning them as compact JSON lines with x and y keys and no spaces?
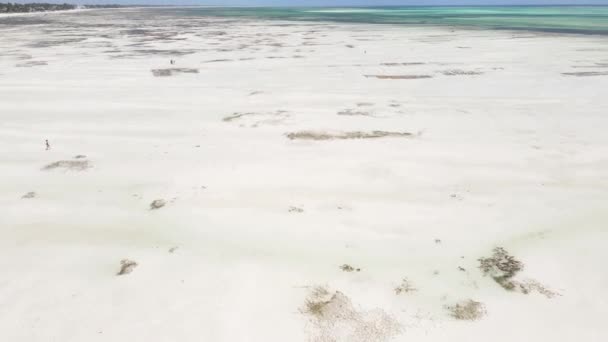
{"x":504,"y":150}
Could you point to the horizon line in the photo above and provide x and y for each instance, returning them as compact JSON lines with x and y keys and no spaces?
{"x":345,"y":6}
{"x":302,"y":6}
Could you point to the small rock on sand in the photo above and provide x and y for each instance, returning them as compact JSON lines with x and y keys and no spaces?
{"x":126,"y":266}
{"x":30,"y":194}
{"x":157,"y":204}
{"x":349,"y":268}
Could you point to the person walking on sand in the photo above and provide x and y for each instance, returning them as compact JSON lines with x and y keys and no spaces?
{"x":48,"y":146}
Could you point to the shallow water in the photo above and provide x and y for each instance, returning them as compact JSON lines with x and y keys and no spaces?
{"x":564,"y":19}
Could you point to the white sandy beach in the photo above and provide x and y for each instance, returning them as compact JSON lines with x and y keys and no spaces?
{"x":507,"y":148}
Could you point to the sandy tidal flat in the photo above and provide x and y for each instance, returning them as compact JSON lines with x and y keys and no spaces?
{"x":291,"y":181}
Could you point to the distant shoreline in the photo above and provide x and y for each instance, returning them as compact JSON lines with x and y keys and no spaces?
{"x":540,"y":20}
{"x":21,"y":14}
{"x":12,"y":9}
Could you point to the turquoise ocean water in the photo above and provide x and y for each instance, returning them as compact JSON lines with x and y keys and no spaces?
{"x":564,"y":19}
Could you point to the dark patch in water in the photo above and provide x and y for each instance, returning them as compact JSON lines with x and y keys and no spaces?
{"x":597,"y":65}
{"x":218,"y":60}
{"x":350,"y":112}
{"x":314,"y":135}
{"x":31,"y":64}
{"x":173,"y":71}
{"x":164,"y":52}
{"x":586,"y":74}
{"x":457,"y":72}
{"x":399,"y":77}
{"x":402,"y":64}
{"x":51,"y":43}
